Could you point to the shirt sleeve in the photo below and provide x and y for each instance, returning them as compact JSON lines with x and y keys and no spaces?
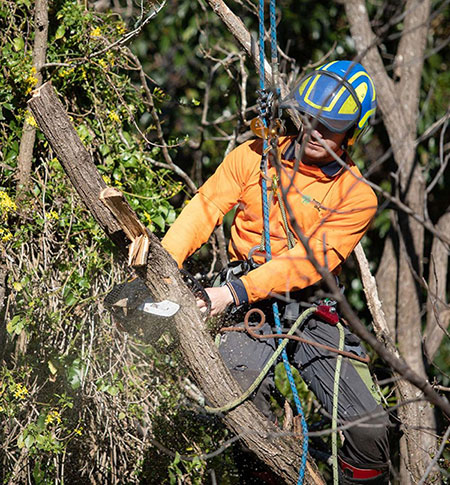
{"x":332,"y":240}
{"x":205,"y":211}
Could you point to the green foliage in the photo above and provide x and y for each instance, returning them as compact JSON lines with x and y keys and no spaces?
{"x":71,"y":382}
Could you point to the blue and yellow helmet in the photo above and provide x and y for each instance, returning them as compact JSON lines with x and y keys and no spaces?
{"x":339,"y":94}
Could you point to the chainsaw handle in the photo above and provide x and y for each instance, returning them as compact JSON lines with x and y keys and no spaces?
{"x":197,"y":289}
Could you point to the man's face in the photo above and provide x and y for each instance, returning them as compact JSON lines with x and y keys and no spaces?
{"x":314,"y":152}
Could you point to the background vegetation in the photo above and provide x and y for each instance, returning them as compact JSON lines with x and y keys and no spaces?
{"x":79,"y":400}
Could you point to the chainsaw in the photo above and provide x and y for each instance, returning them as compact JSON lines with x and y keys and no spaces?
{"x":135,"y":311}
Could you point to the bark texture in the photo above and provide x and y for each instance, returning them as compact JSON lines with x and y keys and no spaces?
{"x":401,"y":264}
{"x":164,"y":281}
{"x":25,"y":156}
{"x":438,"y":310}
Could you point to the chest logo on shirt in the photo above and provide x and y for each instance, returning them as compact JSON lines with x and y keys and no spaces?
{"x":307,"y":200}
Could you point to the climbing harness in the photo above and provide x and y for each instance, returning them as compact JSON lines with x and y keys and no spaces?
{"x":275,"y":191}
{"x":290,"y":335}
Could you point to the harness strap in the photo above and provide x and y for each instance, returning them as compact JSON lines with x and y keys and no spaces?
{"x":275,"y":190}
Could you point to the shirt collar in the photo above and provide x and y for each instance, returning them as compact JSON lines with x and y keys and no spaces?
{"x":330,"y":169}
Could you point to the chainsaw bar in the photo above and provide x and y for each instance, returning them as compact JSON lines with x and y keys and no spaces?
{"x":134,"y":310}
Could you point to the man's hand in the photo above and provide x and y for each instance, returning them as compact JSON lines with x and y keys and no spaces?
{"x":220,"y":298}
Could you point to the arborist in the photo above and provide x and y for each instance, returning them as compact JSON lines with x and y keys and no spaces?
{"x":333,"y":208}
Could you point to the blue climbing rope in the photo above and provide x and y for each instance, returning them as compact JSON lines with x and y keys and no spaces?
{"x":264,"y":164}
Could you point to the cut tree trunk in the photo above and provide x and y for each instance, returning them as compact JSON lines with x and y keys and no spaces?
{"x":161,"y":275}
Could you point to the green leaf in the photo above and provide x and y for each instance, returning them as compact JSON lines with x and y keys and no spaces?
{"x":112,"y":390}
{"x":16,"y":324}
{"x":18,"y":44}
{"x":29,"y":440}
{"x":75,"y":373}
{"x":20,"y":442}
{"x":70,"y":299}
{"x":60,"y":32}
{"x":52,"y":368}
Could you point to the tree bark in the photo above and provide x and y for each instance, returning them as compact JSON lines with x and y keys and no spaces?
{"x":438,"y":310}
{"x":403,"y":253}
{"x":164,"y":281}
{"x":25,"y":156}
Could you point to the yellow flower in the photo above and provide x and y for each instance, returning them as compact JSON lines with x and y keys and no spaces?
{"x":110,"y":57}
{"x":5,"y":235}
{"x":121,"y":28}
{"x":66,"y":72}
{"x":52,"y":215}
{"x":106,"y":179}
{"x":103,"y":63}
{"x":20,"y":391}
{"x":17,"y":285}
{"x":53,"y":417}
{"x":96,"y":32}
{"x":31,"y":81}
{"x":7,"y":205}
{"x":83,"y":73}
{"x":113,"y":116}
{"x":30,"y":120}
{"x":78,"y":431}
{"x":147,"y":216}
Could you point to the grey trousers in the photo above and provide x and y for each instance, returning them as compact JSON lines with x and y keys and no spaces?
{"x":365,"y":444}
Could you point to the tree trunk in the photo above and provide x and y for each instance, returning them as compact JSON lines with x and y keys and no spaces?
{"x":438,"y":311}
{"x":401,"y":264}
{"x":25,"y":156}
{"x":164,"y":281}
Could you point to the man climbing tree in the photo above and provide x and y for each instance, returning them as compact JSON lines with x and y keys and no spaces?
{"x":332,"y":208}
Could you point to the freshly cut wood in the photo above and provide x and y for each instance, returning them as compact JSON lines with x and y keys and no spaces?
{"x":130,"y":224}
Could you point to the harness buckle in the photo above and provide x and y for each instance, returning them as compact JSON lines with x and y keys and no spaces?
{"x":326,"y":310}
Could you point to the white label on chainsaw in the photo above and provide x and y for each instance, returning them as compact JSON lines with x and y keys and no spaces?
{"x":164,"y":308}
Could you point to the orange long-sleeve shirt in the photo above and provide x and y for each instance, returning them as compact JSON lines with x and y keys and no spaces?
{"x":332,"y":211}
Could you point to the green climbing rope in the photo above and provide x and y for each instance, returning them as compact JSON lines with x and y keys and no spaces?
{"x":266,"y":368}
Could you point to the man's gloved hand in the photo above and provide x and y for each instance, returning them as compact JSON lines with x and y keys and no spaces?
{"x":220,"y":298}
